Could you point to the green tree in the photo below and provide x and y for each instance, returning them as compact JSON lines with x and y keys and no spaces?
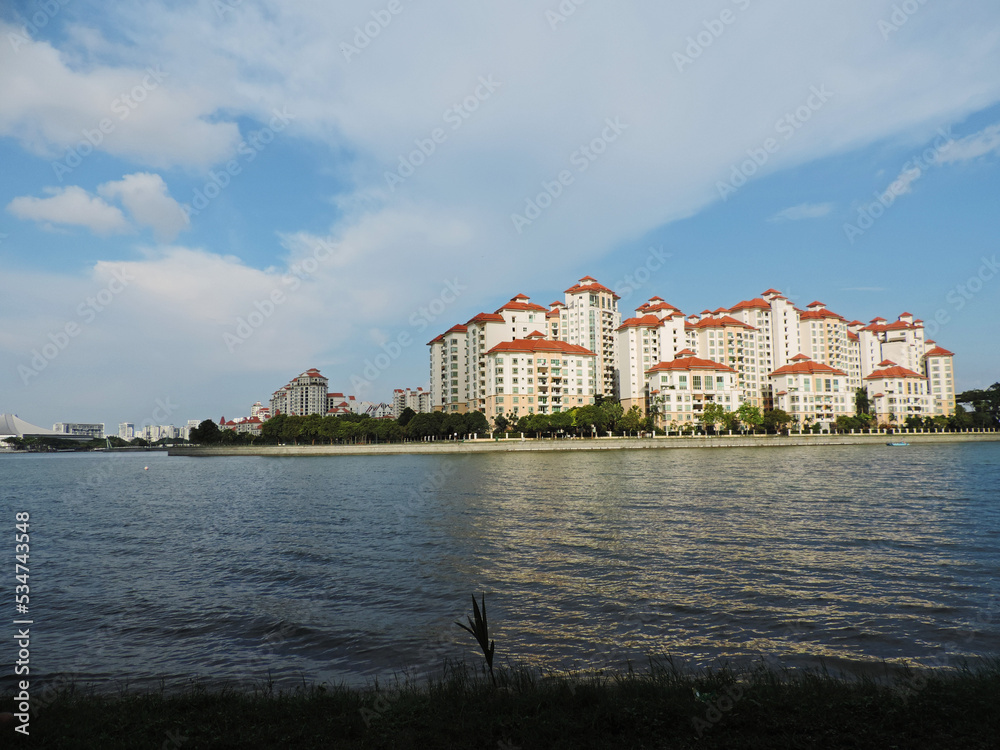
{"x":476,"y":423}
{"x":775,"y":420}
{"x":631,"y":420}
{"x":591,"y":419}
{"x":750,"y":416}
{"x":862,"y":404}
{"x":612,"y":411}
{"x":731,"y":421}
{"x":501,"y":423}
{"x":406,"y":416}
{"x":960,"y":420}
{"x":712,"y":414}
{"x":561,"y":421}
{"x":985,"y":405}
{"x":206,"y":433}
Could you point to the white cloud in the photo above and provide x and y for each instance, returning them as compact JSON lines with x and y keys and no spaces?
{"x":903,"y":184}
{"x":803,"y":211}
{"x":145,"y":196}
{"x":71,"y":206}
{"x":986,"y":141}
{"x":139,"y":111}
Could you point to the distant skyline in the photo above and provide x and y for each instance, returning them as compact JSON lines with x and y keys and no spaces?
{"x":202,"y":200}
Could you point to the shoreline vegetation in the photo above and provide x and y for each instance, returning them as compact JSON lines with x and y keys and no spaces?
{"x":512,"y":444}
{"x":522,"y":709}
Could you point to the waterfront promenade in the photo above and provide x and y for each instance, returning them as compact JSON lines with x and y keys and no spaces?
{"x":511,"y":444}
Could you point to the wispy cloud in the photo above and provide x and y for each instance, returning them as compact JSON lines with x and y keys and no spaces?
{"x":986,"y":141}
{"x":803,"y":211}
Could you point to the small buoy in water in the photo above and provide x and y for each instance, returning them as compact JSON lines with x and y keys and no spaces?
{"x":145,"y":468}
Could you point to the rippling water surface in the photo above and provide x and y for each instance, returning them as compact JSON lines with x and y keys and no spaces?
{"x":346,"y":568}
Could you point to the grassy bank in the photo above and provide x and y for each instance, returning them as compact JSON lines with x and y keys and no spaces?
{"x":658,"y":707}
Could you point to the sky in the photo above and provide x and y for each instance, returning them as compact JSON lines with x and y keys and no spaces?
{"x":201,"y":200}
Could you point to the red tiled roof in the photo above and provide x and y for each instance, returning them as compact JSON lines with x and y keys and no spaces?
{"x":540,"y":345}
{"x":591,"y":285}
{"x":819,"y":314}
{"x":750,"y":303}
{"x":770,"y":291}
{"x":486,"y":318}
{"x":807,"y":367}
{"x":516,"y":304}
{"x":938,"y":351}
{"x":895,"y":371}
{"x":689,"y":363}
{"x":646,"y":321}
{"x":658,"y":306}
{"x":721,"y":322}
{"x":817,"y":303}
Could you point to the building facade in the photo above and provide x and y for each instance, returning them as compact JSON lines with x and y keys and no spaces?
{"x":679,"y":390}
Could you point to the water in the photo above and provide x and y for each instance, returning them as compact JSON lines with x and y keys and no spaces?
{"x":342,"y":569}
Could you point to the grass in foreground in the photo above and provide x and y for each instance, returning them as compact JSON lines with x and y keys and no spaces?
{"x":659,"y":707}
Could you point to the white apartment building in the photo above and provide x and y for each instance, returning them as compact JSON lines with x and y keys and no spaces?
{"x":535,"y":375}
{"x":126,"y":430}
{"x":449,"y":370}
{"x":252,"y":425}
{"x":896,"y":392}
{"x":756,"y":338}
{"x":901,"y":341}
{"x":812,"y":392}
{"x":680,"y":389}
{"x":590,"y":318}
{"x":721,"y":338}
{"x":153,"y":432}
{"x":419,"y":400}
{"x":786,"y":335}
{"x":824,"y":336}
{"x":80,"y":429}
{"x":939,"y":369}
{"x":306,"y":394}
{"x":656,"y":334}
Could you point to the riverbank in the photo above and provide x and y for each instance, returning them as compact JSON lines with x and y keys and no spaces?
{"x":660,"y":707}
{"x":584,"y":444}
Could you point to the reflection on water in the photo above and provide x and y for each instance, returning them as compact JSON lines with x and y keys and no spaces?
{"x":343,"y":568}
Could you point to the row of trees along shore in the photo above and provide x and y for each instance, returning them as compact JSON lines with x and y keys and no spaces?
{"x":596,"y":420}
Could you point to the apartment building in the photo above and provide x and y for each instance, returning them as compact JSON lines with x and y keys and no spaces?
{"x":824,"y":338}
{"x":940,"y":374}
{"x":419,"y":400}
{"x":756,"y":338}
{"x":449,"y":370}
{"x":896,"y":392}
{"x":680,"y":389}
{"x":590,"y":318}
{"x":812,"y":392}
{"x":536,"y":375}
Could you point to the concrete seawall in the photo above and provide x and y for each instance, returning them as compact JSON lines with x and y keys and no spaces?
{"x":588,"y":444}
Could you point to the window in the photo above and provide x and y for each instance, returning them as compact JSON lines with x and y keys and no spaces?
{"x":696,"y":381}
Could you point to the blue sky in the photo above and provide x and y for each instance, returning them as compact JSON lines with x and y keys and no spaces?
{"x":168,"y":170}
